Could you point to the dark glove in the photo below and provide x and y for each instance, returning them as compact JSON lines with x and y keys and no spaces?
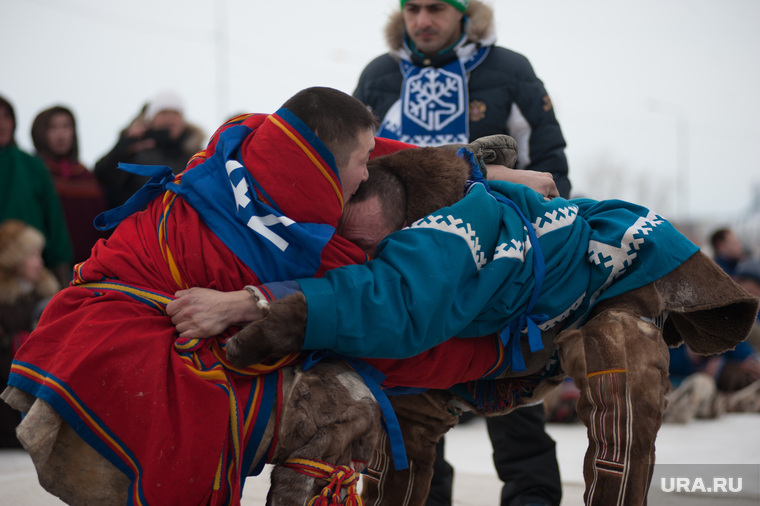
{"x":497,"y":149}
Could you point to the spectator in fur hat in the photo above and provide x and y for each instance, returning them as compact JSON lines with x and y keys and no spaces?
{"x":25,"y":287}
{"x":28,"y":194}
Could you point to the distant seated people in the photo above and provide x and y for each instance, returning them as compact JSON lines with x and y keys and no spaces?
{"x":27,"y":194}
{"x":702,"y":386}
{"x":708,"y":386}
{"x":25,"y":287}
{"x":54,"y":134}
{"x":747,"y":274}
{"x":159,"y":135}
{"x":728,"y":249}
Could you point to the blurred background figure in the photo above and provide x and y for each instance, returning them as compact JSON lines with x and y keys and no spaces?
{"x":560,"y":404}
{"x":747,"y":274}
{"x":702,"y":386}
{"x":159,"y":135}
{"x":728,"y":249}
{"x":25,"y":287}
{"x":54,"y":134}
{"x":708,"y":386}
{"x":28,"y":194}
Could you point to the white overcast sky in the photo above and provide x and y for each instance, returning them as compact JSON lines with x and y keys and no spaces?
{"x":626,"y":77}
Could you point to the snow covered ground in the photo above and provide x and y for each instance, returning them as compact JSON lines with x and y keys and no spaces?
{"x":734,"y":439}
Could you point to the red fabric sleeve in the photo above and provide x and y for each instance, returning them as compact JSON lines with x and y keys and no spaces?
{"x":454,"y":361}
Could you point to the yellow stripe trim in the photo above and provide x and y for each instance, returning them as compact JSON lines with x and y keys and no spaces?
{"x":163,"y":241}
{"x":160,"y":300}
{"x":218,"y":477}
{"x":62,"y":391}
{"x":608,"y":371}
{"x":316,"y":464}
{"x":311,"y":156}
{"x":257,"y":394}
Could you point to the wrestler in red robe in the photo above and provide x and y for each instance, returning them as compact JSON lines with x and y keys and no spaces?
{"x":260,"y":204}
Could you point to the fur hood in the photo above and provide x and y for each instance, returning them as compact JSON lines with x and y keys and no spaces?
{"x":479,"y":27}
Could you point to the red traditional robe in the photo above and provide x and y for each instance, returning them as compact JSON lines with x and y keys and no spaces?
{"x":172,"y":413}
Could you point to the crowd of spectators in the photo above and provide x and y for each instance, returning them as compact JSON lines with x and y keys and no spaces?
{"x":48,"y":202}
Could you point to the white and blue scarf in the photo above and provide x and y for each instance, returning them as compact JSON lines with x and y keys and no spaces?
{"x":433,"y":107}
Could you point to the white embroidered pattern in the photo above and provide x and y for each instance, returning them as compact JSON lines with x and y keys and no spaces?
{"x":555,"y":219}
{"x":618,"y":258}
{"x":549,"y":222}
{"x":548,"y":324}
{"x":517,"y":250}
{"x":458,"y":227}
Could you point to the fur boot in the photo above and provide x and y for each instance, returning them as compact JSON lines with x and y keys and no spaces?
{"x":67,"y":466}
{"x":329,"y":415}
{"x":620,"y":364}
{"x":423,"y":418}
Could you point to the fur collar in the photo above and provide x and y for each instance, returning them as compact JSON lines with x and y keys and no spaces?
{"x":434,"y":178}
{"x":480,"y":25}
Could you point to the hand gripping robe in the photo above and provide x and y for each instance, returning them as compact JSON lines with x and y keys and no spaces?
{"x":171,"y":413}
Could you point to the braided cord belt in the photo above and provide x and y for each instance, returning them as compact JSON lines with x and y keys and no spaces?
{"x":338,"y":477}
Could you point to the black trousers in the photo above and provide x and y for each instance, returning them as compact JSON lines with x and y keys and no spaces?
{"x":524,"y":456}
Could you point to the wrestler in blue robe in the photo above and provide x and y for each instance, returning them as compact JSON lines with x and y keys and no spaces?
{"x":471,"y":270}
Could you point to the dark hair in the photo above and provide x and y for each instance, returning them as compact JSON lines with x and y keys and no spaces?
{"x":7,"y":105}
{"x":40,"y":127}
{"x":389,"y":188}
{"x":718,"y":237}
{"x":335,"y":117}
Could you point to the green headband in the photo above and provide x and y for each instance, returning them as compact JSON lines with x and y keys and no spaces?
{"x":461,"y":5}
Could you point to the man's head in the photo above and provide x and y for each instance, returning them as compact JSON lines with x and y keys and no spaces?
{"x":20,"y":251}
{"x":54,"y":134}
{"x":377,"y":208}
{"x":433,"y":25}
{"x":166,"y":111}
{"x":747,"y":274}
{"x":727,"y":245}
{"x":402,"y":188}
{"x":344,"y":125}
